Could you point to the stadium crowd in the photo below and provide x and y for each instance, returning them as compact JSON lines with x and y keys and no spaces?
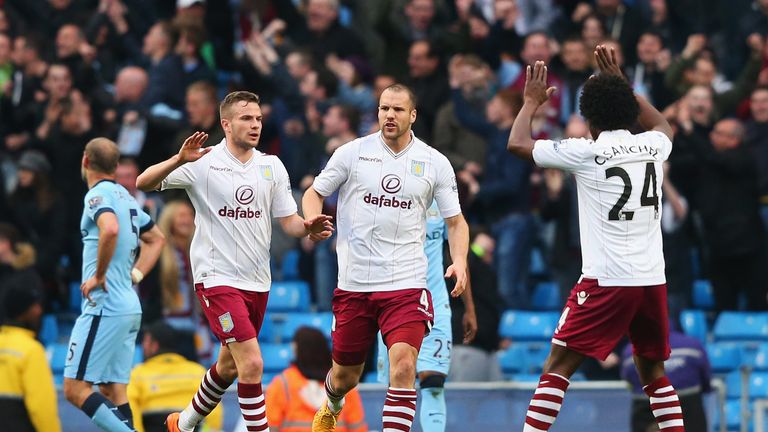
{"x":147,"y":74}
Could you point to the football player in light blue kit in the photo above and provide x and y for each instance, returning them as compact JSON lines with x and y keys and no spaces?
{"x":104,"y":336}
{"x":435,"y":355}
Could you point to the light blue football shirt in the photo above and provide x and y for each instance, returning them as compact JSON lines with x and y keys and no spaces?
{"x":120,"y":297}
{"x":433,"y":248}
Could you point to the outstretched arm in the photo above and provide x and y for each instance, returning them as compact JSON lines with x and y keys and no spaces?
{"x":190,"y":151}
{"x":536,"y":93}
{"x":319,"y":227}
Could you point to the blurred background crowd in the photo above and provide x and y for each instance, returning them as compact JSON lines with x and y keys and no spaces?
{"x":148,"y":73}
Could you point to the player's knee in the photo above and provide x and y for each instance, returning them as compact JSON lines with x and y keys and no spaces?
{"x":251,"y":369}
{"x":432,"y":381}
{"x":74,"y":391}
{"x":403,"y":371}
{"x":227,"y":371}
{"x":344,"y":380}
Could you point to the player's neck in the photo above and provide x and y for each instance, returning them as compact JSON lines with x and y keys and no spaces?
{"x":94,"y":177}
{"x":400,"y":143}
{"x":243,"y":154}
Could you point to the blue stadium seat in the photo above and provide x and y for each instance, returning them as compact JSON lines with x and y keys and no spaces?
{"x":528,"y":326}
{"x":268,"y":332}
{"x":276,"y":357}
{"x":49,"y":330}
{"x":290,"y":265}
{"x":75,"y":297}
{"x":57,"y":356}
{"x":321,"y":321}
{"x":742,"y":326}
{"x":513,"y":359}
{"x":546,"y":296}
{"x":733,"y":414}
{"x":371,"y":377}
{"x":538,"y":266}
{"x":526,"y":377}
{"x":724,"y":357}
{"x":289,"y":296}
{"x":694,"y":324}
{"x":535,"y":357}
{"x":733,"y":385}
{"x":703,"y":298}
{"x":758,"y":360}
{"x":758,"y":385}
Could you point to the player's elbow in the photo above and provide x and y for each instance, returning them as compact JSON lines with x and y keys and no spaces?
{"x":110,"y":231}
{"x":144,"y":184}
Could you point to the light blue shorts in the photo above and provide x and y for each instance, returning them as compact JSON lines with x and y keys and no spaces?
{"x":435,"y":353}
{"x":101,"y":348}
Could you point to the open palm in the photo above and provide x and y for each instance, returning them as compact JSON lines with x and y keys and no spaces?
{"x":192,"y":149}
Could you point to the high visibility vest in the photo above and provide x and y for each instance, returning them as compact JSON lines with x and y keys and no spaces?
{"x":291,"y":405}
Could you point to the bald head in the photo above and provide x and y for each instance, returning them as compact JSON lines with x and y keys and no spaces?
{"x":103,"y":155}
{"x":130,"y":84}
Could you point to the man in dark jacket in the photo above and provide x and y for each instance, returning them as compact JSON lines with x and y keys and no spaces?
{"x":729,"y":206}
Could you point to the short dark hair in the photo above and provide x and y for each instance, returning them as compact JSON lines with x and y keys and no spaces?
{"x":235,"y":97}
{"x":328,"y":81}
{"x":351,"y":115}
{"x":397,"y":87}
{"x":608,"y":103}
{"x":313,"y":356}
{"x":171,"y":32}
{"x":165,"y":335}
{"x":103,"y":155}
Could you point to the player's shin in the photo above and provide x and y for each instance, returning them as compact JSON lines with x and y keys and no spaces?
{"x":546,"y":402}
{"x":335,"y":398}
{"x":665,"y":405}
{"x":208,"y":395}
{"x":433,"y":411}
{"x":105,"y":414}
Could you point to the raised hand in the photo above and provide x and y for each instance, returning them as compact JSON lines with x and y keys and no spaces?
{"x":192,"y":149}
{"x":606,"y":61}
{"x":536,"y":90}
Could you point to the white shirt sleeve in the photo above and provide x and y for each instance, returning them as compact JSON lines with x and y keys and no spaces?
{"x":567,"y":154}
{"x":283,"y":203}
{"x":663,"y":141}
{"x":181,"y":178}
{"x":336,"y":171}
{"x":446,"y":190}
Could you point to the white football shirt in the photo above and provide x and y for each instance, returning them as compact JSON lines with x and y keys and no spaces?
{"x":381,"y":213}
{"x":234,"y":205}
{"x":618,"y":178}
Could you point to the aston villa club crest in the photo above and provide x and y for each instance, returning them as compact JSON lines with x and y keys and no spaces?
{"x":266,"y":172}
{"x":417,"y":168}
{"x":226,"y":322}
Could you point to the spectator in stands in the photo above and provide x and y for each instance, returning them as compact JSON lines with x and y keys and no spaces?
{"x":464,"y":148}
{"x":687,"y":369}
{"x":165,"y":88}
{"x":57,"y":85}
{"x":18,"y":106}
{"x":756,"y":139}
{"x":6,"y":66}
{"x":168,"y":290}
{"x":192,"y":36}
{"x":622,"y":22}
{"x":696,"y":66}
{"x":40,"y":213}
{"x":501,"y":196}
{"x":17,"y":261}
{"x":537,"y":48}
{"x":675,"y":230}
{"x":125,"y":175}
{"x":319,"y":29}
{"x":729,"y":207}
{"x":648,"y":73}
{"x":575,"y":68}
{"x":477,"y":361}
{"x":202,"y":115}
{"x":46,"y":17}
{"x":427,"y":78}
{"x":129,"y":116}
{"x":163,"y":383}
{"x":74,"y":51}
{"x":592,"y":30}
{"x":29,"y":397}
{"x":298,"y":392}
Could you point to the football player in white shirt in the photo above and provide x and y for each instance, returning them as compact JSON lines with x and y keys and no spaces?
{"x":236,"y":190}
{"x":386,"y":181}
{"x":622,"y":289}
